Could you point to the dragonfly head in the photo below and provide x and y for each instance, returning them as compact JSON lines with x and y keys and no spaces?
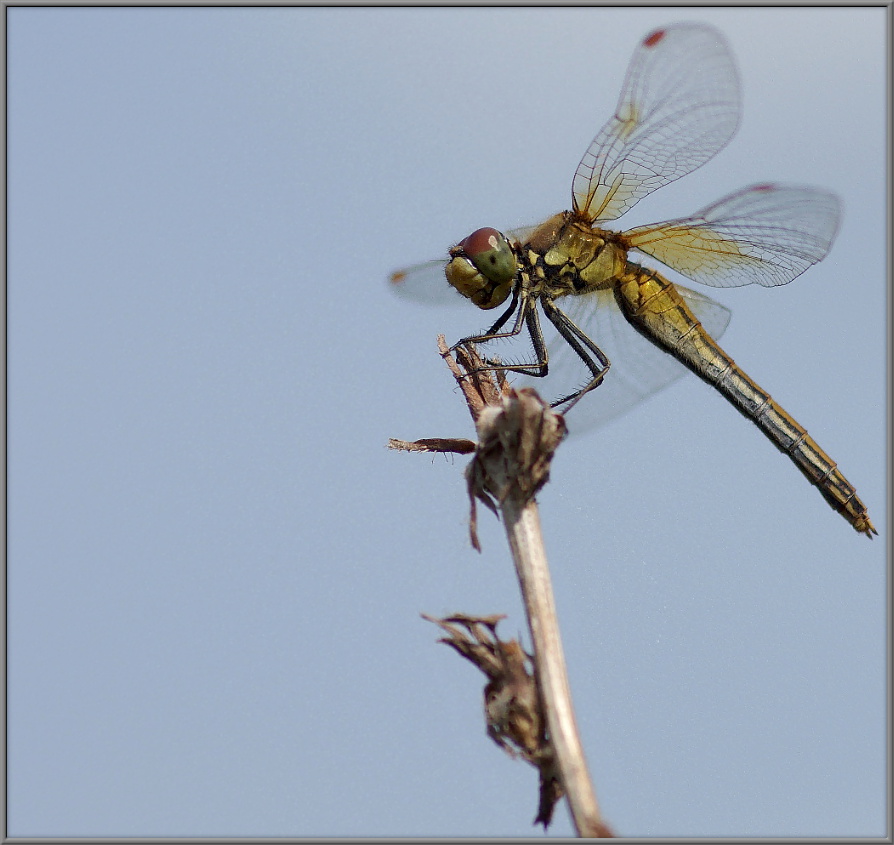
{"x":482,"y":268}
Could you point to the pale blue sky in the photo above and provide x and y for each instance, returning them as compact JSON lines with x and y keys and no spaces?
{"x":216,"y":568}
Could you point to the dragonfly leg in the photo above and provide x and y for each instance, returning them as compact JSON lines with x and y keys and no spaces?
{"x":493,"y":333}
{"x":527,"y":315}
{"x":540,"y":368}
{"x":594,"y":358}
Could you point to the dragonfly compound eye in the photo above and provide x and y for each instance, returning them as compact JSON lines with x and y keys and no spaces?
{"x":490,"y":252}
{"x":483,"y":268}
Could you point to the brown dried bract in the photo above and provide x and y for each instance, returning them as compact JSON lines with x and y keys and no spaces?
{"x":457,"y":445}
{"x":512,"y":706}
{"x":516,"y":443}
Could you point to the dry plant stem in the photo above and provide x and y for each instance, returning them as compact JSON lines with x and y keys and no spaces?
{"x":526,"y":542}
{"x":516,"y":440}
{"x":517,"y":435}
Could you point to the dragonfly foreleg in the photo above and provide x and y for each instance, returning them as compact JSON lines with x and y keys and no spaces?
{"x":527,"y":315}
{"x":494,"y":333}
{"x":595,"y":360}
{"x":540,"y":368}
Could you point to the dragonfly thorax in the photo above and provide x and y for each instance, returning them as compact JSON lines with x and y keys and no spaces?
{"x":573,"y":257}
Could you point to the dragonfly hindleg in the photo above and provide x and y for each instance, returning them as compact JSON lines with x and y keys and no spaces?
{"x":595,"y":360}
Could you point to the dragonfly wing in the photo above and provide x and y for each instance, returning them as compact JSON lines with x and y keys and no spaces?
{"x":767,"y":234}
{"x":639,"y":369}
{"x":522,"y":234}
{"x":425,"y":283}
{"x":679,"y":106}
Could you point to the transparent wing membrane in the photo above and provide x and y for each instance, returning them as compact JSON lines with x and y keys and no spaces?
{"x":425,"y":283}
{"x":765,"y":234}
{"x":639,"y":369}
{"x":679,"y":106}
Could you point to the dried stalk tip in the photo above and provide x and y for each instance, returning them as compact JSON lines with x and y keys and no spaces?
{"x":517,"y":435}
{"x":481,"y":385}
{"x":516,"y":443}
{"x":512,"y":707}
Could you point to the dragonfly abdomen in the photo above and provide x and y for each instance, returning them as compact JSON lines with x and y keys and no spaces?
{"x":655,"y":308}
{"x":819,"y":469}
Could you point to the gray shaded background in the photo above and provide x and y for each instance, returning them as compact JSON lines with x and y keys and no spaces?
{"x":215,"y":566}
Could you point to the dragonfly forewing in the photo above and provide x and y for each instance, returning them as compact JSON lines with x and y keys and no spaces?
{"x":669,"y":120}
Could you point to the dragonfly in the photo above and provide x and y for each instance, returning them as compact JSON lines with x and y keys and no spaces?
{"x":679,"y":106}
